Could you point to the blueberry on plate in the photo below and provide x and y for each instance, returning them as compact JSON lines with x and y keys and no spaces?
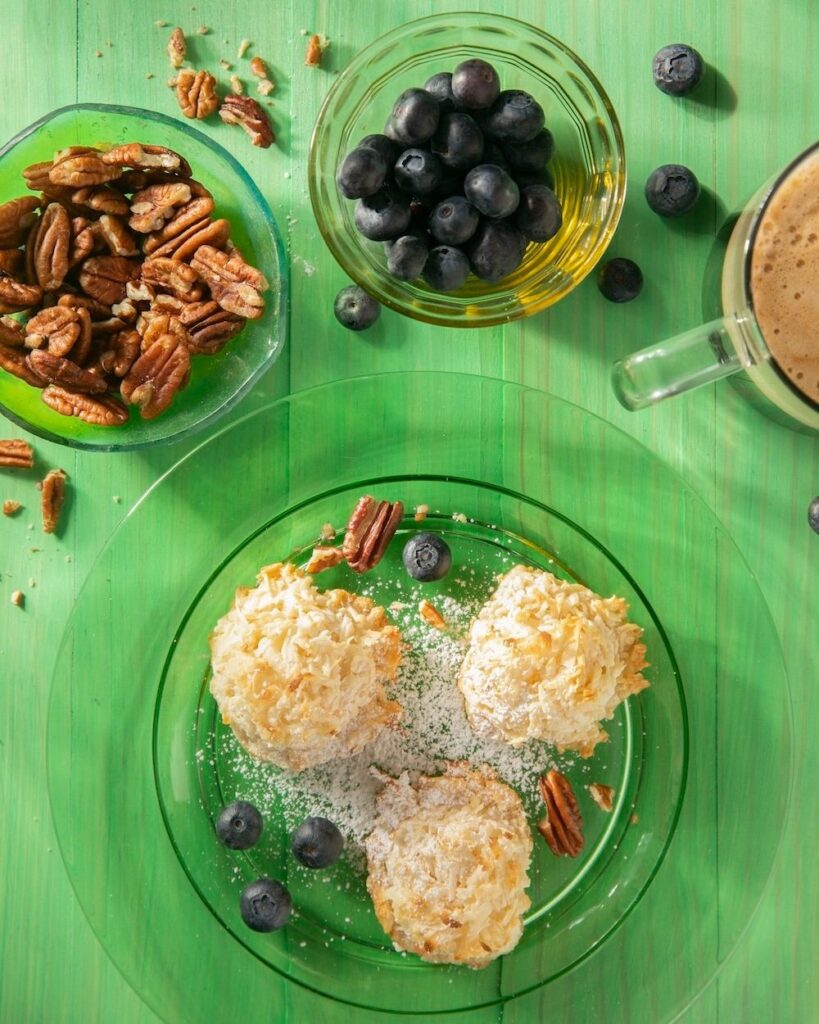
{"x":813,"y":514}
{"x":620,"y":280}
{"x":495,"y":250}
{"x":362,"y":173}
{"x":381,"y":144}
{"x":515,"y":116}
{"x":239,"y":825}
{"x":355,"y":309}
{"x":446,"y":268}
{"x":491,"y":190}
{"x":677,"y":69}
{"x":538,"y":215}
{"x":414,"y":117}
{"x":532,"y":156}
{"x":406,"y":257}
{"x":672,"y":190}
{"x":383,"y":216}
{"x":427,"y":557}
{"x":440,"y":86}
{"x":453,"y":221}
{"x":317,"y":843}
{"x":418,"y":171}
{"x":458,"y":141}
{"x":265,"y":905}
{"x":475,"y":84}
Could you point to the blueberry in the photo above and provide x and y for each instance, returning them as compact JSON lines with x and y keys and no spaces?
{"x":458,"y":141}
{"x":317,"y":843}
{"x":440,"y":86}
{"x":418,"y":171}
{"x":491,"y":190}
{"x":454,"y":220}
{"x":446,"y":269}
{"x":620,"y":280}
{"x":383,"y":216}
{"x":813,"y":514}
{"x":406,"y":257}
{"x":532,"y":156}
{"x":538,"y":215}
{"x":239,"y":825}
{"x":362,"y":173}
{"x":355,"y":309}
{"x":475,"y":84}
{"x":515,"y":116}
{"x":496,"y":249}
{"x":414,"y":117}
{"x":427,"y":557}
{"x":677,"y":69}
{"x":381,"y":144}
{"x":526,"y":178}
{"x":672,"y":190}
{"x":265,"y":905}
{"x":493,"y":154}
{"x":451,"y":184}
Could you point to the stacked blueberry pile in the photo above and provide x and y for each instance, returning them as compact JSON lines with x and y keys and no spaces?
{"x":458,"y":181}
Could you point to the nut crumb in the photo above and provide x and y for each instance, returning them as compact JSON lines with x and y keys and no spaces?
{"x":634,"y":819}
{"x":97,"y":53}
{"x":398,"y":606}
{"x":265,"y":87}
{"x":244,"y":46}
{"x":11,"y":507}
{"x":161,"y":23}
{"x":315,"y":51}
{"x":225,"y":65}
{"x":324,"y":558}
{"x":430,"y":614}
{"x":203,"y":30}
{"x":459,"y":517}
{"x":258,"y":67}
{"x":236,"y":85}
{"x":602,"y":795}
{"x":304,"y":31}
{"x":117,"y":500}
{"x":18,"y":598}
{"x":171,"y":83}
{"x":32,"y":582}
{"x":421,"y":512}
{"x":328,"y":532}
{"x":150,"y":74}
{"x":177,"y":47}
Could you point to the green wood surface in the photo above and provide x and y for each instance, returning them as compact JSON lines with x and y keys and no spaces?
{"x":755,"y":112}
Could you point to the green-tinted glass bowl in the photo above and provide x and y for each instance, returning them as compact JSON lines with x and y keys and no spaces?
{"x":589,"y":163}
{"x":217,"y":382}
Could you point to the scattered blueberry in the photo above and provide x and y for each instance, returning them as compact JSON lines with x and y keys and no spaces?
{"x":362,"y":173}
{"x":495,"y":250}
{"x":475,"y":84}
{"x":538,"y":215}
{"x":440,"y":86}
{"x":317,"y":843}
{"x":677,"y":69}
{"x":355,"y":309}
{"x":458,"y":141}
{"x":672,"y":190}
{"x":406,"y":257}
{"x":427,"y":557}
{"x":446,"y":269}
{"x":813,"y":514}
{"x":514,"y":117}
{"x":381,"y":144}
{"x":532,"y":156}
{"x":383,"y":216}
{"x":620,"y":280}
{"x":418,"y":172}
{"x":491,"y":190}
{"x":239,"y":825}
{"x":454,"y":220}
{"x":414,"y":117}
{"x":265,"y":905}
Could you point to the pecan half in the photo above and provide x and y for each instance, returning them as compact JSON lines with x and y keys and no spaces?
{"x":57,"y":370}
{"x":234,"y":284}
{"x":51,"y":499}
{"x":196,"y":93}
{"x":12,"y":332}
{"x":16,"y":296}
{"x":101,"y":199}
{"x":16,"y":217}
{"x":160,"y":371}
{"x":562,"y":828}
{"x":59,"y":329}
{"x":101,"y":410}
{"x":324,"y":558}
{"x":153,"y":206}
{"x":177,"y":48}
{"x":117,"y":237}
{"x":204,"y":232}
{"x":602,"y":795}
{"x":369,"y":531}
{"x":209,"y":326}
{"x":80,"y":166}
{"x":121,"y":353}
{"x":11,"y":261}
{"x":13,"y":361}
{"x":146,"y":158}
{"x":245,"y":111}
{"x":16,"y":454}
{"x":172,"y":276}
{"x":85,"y":240}
{"x":104,"y":277}
{"x":96,"y":310}
{"x":133,"y":181}
{"x":50,"y":247}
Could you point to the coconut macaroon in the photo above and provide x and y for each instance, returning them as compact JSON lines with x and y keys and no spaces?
{"x":447,"y":865}
{"x":299,"y":674}
{"x":549,"y":660}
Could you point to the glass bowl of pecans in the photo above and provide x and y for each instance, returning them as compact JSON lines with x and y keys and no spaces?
{"x":143,"y":281}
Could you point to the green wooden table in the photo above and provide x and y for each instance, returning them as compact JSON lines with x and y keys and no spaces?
{"x":758,"y":476}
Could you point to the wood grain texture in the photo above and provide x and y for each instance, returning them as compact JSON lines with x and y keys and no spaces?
{"x":751,"y":115}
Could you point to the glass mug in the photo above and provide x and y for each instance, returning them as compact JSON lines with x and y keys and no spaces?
{"x":736,"y":341}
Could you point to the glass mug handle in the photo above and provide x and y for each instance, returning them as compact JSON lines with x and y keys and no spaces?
{"x":687,"y":361}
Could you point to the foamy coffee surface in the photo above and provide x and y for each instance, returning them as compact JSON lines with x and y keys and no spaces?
{"x":785,"y":276}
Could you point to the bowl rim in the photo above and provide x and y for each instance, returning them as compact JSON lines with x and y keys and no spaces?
{"x":282,"y":318}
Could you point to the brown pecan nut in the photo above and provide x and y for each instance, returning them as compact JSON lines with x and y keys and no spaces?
{"x":245,"y":111}
{"x":234,"y":284}
{"x":85,"y":240}
{"x":80,"y":166}
{"x":324,"y":558}
{"x":16,"y":217}
{"x":204,"y":232}
{"x":101,"y":410}
{"x":177,"y":48}
{"x":602,"y":795}
{"x":12,"y":332}
{"x":562,"y":828}
{"x":161,"y":370}
{"x":172,"y":276}
{"x":16,"y":296}
{"x":14,"y":361}
{"x":146,"y":158}
{"x":16,"y":454}
{"x":36,"y":176}
{"x":134,"y":181}
{"x":101,"y":199}
{"x":153,"y":206}
{"x":193,"y":212}
{"x":57,"y":370}
{"x":369,"y":531}
{"x":59,"y":329}
{"x":104,"y":277}
{"x":50,"y":247}
{"x":121,"y":353}
{"x":96,"y":310}
{"x":196,"y":93}
{"x":114,"y":232}
{"x":52,"y":497}
{"x":11,"y":261}
{"x":209,"y":326}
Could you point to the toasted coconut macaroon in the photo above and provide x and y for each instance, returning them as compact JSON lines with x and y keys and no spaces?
{"x":299,"y":674}
{"x":447,"y":865}
{"x":549,"y":660}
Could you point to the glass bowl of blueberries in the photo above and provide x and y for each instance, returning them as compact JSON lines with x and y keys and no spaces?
{"x":467,"y":169}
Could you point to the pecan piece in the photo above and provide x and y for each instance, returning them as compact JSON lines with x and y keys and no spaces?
{"x":117,"y":237}
{"x":430,"y":614}
{"x":195,"y":211}
{"x":160,"y":371}
{"x":104,"y":277}
{"x":177,"y":48}
{"x":562,"y":828}
{"x":121,"y":353}
{"x":233,"y":283}
{"x":324,"y":558}
{"x":101,"y":199}
{"x":57,"y":370}
{"x":51,"y":499}
{"x":13,"y":361}
{"x":602,"y":795}
{"x":12,"y":332}
{"x":16,"y":217}
{"x":369,"y":531}
{"x":209,"y":326}
{"x":50,"y":246}
{"x":80,"y":166}
{"x":59,"y":328}
{"x":196,"y":93}
{"x":141,"y":158}
{"x":204,"y":232}
{"x":133,"y":181}
{"x":172,"y":276}
{"x":11,"y":261}
{"x":16,"y":454}
{"x":245,"y":111}
{"x":100,"y":410}
{"x":16,"y":296}
{"x":151,"y":207}
{"x":316,"y":46}
{"x":10,"y":506}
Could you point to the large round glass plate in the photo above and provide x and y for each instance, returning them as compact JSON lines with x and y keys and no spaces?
{"x":139,"y":764}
